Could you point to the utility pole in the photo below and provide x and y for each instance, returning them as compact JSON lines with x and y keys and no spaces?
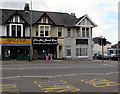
{"x":31,"y":32}
{"x":102,"y":49}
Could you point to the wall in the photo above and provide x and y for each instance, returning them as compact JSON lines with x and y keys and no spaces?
{"x":98,"y":49}
{"x":71,"y":42}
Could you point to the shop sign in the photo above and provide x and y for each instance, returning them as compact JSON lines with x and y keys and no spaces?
{"x":15,"y":41}
{"x":81,"y":41}
{"x":46,"y":41}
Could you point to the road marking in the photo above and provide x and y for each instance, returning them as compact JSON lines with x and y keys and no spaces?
{"x":10,"y":77}
{"x":62,"y":75}
{"x":56,"y":86}
{"x":8,"y":87}
{"x":10,"y":92}
{"x":99,"y":82}
{"x":39,"y":76}
{"x":102,"y":65}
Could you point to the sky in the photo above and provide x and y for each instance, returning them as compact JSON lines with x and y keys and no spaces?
{"x":103,"y":12}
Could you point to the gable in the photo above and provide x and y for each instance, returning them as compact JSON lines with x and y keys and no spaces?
{"x":86,"y":21}
{"x":44,"y":20}
{"x":16,"y":19}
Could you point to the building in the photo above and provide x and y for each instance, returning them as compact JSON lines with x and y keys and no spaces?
{"x":97,"y":49}
{"x":54,"y":34}
{"x":114,"y":51}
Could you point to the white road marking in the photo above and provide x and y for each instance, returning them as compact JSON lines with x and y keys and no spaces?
{"x":63,"y":75}
{"x":10,"y":77}
{"x":21,"y":68}
{"x":38,"y":76}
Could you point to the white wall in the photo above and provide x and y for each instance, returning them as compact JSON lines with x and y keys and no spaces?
{"x":98,"y":49}
{"x":27,"y":31}
{"x":4,"y":30}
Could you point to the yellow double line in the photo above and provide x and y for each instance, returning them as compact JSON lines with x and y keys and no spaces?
{"x":101,"y":82}
{"x":56,"y":86}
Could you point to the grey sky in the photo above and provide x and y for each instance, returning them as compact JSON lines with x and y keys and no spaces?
{"x":103,"y":12}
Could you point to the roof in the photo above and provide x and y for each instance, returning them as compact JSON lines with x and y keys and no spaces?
{"x":116,"y":45}
{"x":58,"y":18}
{"x":95,"y":40}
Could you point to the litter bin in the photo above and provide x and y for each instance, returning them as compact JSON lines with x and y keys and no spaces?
{"x":47,"y":57}
{"x":29,"y":58}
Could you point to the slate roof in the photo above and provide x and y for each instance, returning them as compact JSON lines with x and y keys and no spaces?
{"x":57,"y":17}
{"x":95,"y":40}
{"x":116,"y":45}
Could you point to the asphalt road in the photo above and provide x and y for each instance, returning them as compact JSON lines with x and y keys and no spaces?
{"x":65,"y":77}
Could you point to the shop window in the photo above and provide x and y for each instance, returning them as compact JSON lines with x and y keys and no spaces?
{"x":59,"y":32}
{"x":68,"y":52}
{"x":68,"y":32}
{"x":111,"y":52}
{"x":81,"y":51}
{"x":6,"y":53}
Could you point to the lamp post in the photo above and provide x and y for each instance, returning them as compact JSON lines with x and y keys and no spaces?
{"x":27,"y":11}
{"x":30,"y":53}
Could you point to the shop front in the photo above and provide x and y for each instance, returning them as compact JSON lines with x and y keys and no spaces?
{"x":44,"y":47}
{"x":15,"y":48}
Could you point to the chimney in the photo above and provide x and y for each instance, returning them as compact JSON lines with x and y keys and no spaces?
{"x":73,"y":14}
{"x":26,"y":8}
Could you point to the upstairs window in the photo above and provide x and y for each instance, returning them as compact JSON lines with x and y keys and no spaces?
{"x":44,"y":31}
{"x":8,"y":30}
{"x":87,"y":32}
{"x":59,"y":32}
{"x":15,"y":30}
{"x":18,"y":30}
{"x":36,"y":31}
{"x":68,"y":32}
{"x":83,"y":32}
{"x":41,"y":31}
{"x":78,"y":32}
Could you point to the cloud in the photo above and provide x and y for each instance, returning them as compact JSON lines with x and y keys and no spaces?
{"x":100,"y":11}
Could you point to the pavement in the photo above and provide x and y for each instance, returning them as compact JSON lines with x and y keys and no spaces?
{"x":57,"y":61}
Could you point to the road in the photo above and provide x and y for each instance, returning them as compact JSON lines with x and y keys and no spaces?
{"x":65,"y":77}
